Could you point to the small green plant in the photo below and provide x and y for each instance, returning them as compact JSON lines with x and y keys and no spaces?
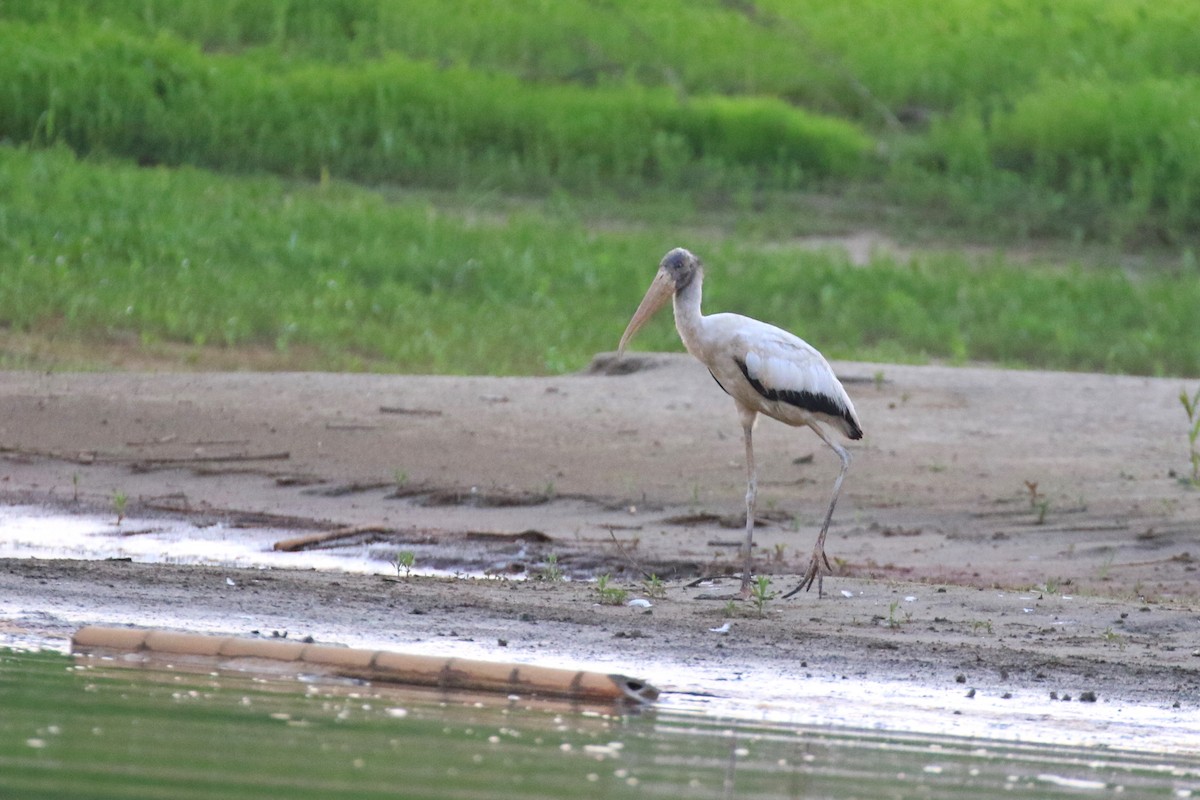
{"x":730,"y":610}
{"x":981,"y":624}
{"x":1112,"y":637}
{"x":610,"y":595}
{"x":893,"y":620}
{"x":74,"y":487}
{"x":761,"y":594}
{"x":1191,"y":405}
{"x":404,"y":560}
{"x":1037,"y":501}
{"x":654,"y":587}
{"x":1052,"y":585}
{"x":550,"y":569}
{"x":400,"y":477}
{"x":119,"y":501}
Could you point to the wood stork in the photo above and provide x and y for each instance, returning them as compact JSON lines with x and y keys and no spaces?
{"x":765,"y":370}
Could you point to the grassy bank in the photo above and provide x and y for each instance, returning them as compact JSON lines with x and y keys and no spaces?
{"x":366,"y":281}
{"x":479,"y":187}
{"x":162,"y":100}
{"x":1070,"y":119}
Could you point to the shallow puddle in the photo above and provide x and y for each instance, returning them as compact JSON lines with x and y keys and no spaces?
{"x":28,"y":531}
{"x":32,"y":532}
{"x":85,"y":730}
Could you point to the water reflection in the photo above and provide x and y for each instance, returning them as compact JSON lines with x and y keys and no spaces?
{"x":99,"y":731}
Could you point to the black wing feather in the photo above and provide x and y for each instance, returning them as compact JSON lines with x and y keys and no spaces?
{"x":809,"y":401}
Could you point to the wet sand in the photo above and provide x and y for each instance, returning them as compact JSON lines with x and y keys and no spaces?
{"x":999,"y":530}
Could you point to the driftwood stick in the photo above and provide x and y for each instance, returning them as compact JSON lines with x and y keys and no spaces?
{"x":196,"y":459}
{"x":621,"y":549}
{"x":314,"y":539}
{"x":96,"y":456}
{"x":416,"y":412}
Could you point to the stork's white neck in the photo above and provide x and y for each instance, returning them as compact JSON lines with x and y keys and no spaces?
{"x":688,"y":319}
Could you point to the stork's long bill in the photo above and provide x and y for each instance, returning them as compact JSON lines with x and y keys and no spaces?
{"x":661,"y":290}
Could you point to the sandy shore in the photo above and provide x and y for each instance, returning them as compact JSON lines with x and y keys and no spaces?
{"x":1007,"y":529}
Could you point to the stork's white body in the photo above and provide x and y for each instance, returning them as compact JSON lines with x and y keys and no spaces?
{"x":766,"y":370}
{"x":777,"y":360}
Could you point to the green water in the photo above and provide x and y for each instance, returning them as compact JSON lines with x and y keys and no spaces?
{"x":69,"y":730}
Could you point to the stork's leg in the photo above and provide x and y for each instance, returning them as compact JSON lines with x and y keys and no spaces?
{"x":814,"y":571}
{"x":748,"y":418}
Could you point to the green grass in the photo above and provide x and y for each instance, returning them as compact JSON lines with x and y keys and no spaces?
{"x":184,"y":256}
{"x":480,"y":187}
{"x":1023,"y":118}
{"x":162,"y":100}
{"x":96,"y":249}
{"x":905,"y":51}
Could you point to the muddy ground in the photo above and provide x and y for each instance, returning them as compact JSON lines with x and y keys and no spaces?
{"x":999,"y":528}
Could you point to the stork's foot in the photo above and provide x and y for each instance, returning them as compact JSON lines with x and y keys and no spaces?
{"x":818,"y":566}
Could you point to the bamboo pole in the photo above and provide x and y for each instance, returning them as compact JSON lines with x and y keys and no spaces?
{"x":375,"y":665}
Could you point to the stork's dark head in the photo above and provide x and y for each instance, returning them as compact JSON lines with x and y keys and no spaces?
{"x":681,"y":266}
{"x":676,"y":272}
